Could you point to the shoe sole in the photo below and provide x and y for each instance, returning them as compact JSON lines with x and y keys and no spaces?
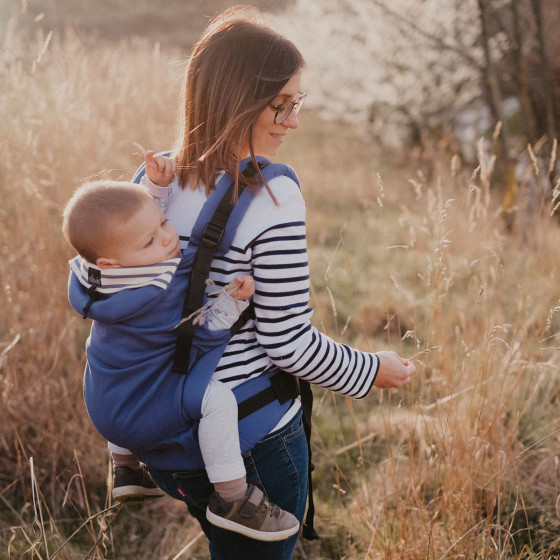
{"x":248,"y":532}
{"x":129,"y":493}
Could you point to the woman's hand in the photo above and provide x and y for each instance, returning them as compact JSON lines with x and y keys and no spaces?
{"x":159,"y":169}
{"x":394,"y":371}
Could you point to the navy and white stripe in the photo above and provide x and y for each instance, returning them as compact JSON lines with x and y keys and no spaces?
{"x":116,"y":279}
{"x":270,"y":244}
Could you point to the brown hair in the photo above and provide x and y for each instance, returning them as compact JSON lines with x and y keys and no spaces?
{"x":236,"y":69}
{"x":93,"y":212}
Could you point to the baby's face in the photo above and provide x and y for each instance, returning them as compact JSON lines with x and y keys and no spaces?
{"x":146,"y":238}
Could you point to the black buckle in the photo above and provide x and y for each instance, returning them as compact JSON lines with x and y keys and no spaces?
{"x":212,"y":235}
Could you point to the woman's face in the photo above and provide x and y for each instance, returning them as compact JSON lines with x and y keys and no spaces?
{"x":268,"y":136}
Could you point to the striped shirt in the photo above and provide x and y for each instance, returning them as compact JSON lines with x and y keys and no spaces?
{"x":270,"y":245}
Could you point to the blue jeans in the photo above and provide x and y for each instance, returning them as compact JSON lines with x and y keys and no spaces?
{"x":278,"y":466}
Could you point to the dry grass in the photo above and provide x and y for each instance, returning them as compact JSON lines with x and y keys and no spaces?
{"x":177,"y":24}
{"x":463,"y":463}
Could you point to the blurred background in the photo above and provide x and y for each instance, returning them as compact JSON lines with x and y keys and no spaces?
{"x":175,"y":23}
{"x":427,"y":153}
{"x":414,"y":72}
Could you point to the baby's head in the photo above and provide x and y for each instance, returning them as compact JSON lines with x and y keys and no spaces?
{"x":114,"y":224}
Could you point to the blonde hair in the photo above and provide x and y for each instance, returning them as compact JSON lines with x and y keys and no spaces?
{"x":95,"y":210}
{"x":236,"y":69}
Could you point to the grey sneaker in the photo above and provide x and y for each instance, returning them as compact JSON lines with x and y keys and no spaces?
{"x":253,"y":516}
{"x":134,"y":485}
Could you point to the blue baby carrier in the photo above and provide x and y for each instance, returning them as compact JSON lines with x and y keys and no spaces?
{"x":270,"y":394}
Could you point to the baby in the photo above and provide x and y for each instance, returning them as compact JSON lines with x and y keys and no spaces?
{"x":130,"y":272}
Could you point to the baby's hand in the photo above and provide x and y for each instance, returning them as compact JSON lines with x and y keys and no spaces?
{"x":159,"y":169}
{"x":242,"y":287}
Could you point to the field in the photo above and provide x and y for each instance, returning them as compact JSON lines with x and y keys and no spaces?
{"x":462,"y":463}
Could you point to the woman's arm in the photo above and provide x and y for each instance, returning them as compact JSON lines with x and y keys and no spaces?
{"x":281,"y":300}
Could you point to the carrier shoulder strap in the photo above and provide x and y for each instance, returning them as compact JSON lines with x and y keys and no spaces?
{"x":194,"y":299}
{"x":216,"y":234}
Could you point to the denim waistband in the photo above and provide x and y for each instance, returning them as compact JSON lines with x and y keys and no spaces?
{"x":290,"y":427}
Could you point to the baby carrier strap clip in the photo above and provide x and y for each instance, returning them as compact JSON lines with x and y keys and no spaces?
{"x":93,"y":296}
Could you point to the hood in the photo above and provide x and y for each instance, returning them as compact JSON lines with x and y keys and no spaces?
{"x":111,"y":295}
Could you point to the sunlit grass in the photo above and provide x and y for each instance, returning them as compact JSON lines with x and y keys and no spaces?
{"x":462,"y":463}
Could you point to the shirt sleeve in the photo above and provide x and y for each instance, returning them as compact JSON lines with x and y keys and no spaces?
{"x":283,"y":314}
{"x":224,"y":310}
{"x":160,"y":194}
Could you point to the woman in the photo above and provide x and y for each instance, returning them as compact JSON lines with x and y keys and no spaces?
{"x":243,"y":91}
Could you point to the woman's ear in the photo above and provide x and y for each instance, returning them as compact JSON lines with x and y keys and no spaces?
{"x":103,"y":263}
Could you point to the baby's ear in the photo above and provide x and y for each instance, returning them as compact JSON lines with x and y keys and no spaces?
{"x":103,"y":263}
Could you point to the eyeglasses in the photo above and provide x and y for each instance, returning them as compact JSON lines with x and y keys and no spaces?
{"x":284,"y":110}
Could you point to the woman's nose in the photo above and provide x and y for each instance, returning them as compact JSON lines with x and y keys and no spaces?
{"x":292,"y":121}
